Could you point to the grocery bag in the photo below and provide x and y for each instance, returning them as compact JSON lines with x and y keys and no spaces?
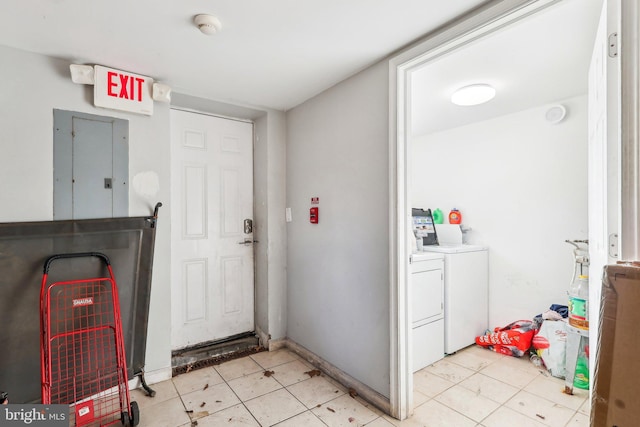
{"x":512,"y":340}
{"x":551,"y":344}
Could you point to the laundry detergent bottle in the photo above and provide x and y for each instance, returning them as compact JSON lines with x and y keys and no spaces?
{"x":438,"y":217}
{"x":455,"y":217}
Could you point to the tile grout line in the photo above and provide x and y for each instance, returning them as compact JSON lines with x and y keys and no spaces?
{"x":310,"y":410}
{"x":479,"y":371}
{"x":575,"y":413}
{"x":283,"y":387}
{"x":328,"y":378}
{"x":236,"y":394}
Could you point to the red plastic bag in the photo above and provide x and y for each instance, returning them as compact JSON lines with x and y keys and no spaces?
{"x":512,"y":340}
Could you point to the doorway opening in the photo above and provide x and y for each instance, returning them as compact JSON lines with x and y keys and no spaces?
{"x":212,"y":237}
{"x":475,"y":155}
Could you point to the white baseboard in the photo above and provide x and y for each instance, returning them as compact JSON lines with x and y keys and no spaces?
{"x":277,"y":344}
{"x":267,"y":342}
{"x":263,"y":338}
{"x":363,"y":390}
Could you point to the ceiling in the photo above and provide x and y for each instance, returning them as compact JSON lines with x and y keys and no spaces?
{"x":539,"y":60}
{"x":269,"y":53}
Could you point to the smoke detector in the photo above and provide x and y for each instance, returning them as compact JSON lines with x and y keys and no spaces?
{"x":555,"y":114}
{"x":207,"y":24}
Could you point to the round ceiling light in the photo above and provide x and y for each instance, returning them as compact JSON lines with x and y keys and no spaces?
{"x":207,"y":24}
{"x":475,"y":94}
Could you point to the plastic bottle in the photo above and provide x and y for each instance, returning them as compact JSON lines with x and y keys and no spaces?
{"x":438,"y":217}
{"x":581,"y":378}
{"x":455,"y":217}
{"x":579,"y":303}
{"x":536,"y":360}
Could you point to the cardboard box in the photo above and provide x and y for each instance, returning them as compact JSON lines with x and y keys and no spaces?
{"x":617,"y":379}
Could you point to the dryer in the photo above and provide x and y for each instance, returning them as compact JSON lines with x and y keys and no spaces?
{"x":427,"y":308}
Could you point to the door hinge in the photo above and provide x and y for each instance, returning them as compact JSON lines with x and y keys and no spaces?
{"x":613,"y":245}
{"x":613,"y":45}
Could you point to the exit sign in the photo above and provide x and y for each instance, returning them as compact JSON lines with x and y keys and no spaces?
{"x":121,"y":90}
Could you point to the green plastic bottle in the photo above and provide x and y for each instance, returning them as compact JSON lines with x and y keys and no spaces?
{"x":579,"y":302}
{"x":581,"y":378}
{"x":438,"y":217}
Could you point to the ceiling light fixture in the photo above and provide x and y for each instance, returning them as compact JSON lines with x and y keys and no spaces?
{"x":161,"y":92}
{"x":473,"y":95}
{"x":82,"y":74}
{"x":207,"y":24}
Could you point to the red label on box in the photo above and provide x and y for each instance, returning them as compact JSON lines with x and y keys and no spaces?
{"x":84,"y":413}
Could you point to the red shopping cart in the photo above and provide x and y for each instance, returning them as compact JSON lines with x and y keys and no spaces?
{"x":82,"y":357}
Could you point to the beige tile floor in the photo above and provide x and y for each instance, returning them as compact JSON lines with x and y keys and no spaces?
{"x":475,"y":388}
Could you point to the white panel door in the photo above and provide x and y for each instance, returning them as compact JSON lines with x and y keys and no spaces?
{"x":604,"y":137}
{"x":212,"y":277}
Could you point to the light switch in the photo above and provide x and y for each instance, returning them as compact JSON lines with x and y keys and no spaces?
{"x":288,"y":214}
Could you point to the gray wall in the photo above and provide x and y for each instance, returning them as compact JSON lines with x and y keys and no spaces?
{"x":34,"y":85}
{"x":31,"y":86}
{"x":338,"y":270}
{"x":337,"y":301}
{"x":269,"y":194}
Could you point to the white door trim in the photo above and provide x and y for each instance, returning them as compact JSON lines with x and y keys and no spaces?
{"x":220,"y":116}
{"x":478,"y":23}
{"x":629,"y":155}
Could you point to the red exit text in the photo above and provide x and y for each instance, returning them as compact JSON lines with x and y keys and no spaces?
{"x":124,"y":86}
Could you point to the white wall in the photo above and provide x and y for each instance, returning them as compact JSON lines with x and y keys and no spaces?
{"x":31,"y":87}
{"x":270,"y":231}
{"x":338,"y":270}
{"x":521,"y":185}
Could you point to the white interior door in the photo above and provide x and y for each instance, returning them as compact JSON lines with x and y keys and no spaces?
{"x":604,"y":142}
{"x":212,"y":278}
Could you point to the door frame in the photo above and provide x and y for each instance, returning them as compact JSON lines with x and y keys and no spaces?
{"x":476,"y":24}
{"x":629,"y":149}
{"x":251,"y":122}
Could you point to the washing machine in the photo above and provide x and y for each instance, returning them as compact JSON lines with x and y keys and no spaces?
{"x":466,"y":293}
